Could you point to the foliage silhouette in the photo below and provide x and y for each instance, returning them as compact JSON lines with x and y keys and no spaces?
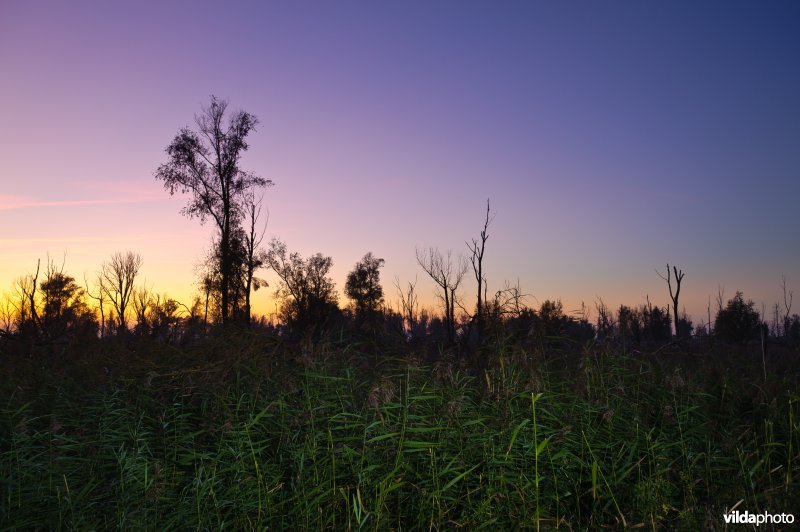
{"x":64,"y":308}
{"x":206,"y":164}
{"x":738,"y":322}
{"x":363,"y":287}
{"x":308,"y":292}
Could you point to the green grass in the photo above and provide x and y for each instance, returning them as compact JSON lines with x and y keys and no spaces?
{"x":247,"y":437}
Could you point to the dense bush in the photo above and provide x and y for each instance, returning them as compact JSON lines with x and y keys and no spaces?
{"x":738,"y":322}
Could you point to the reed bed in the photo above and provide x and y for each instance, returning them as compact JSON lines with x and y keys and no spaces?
{"x":260,"y":440}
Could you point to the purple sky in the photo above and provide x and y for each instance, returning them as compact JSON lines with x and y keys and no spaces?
{"x":610,"y":137}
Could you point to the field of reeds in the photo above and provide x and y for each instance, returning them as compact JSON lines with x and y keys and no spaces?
{"x":244,"y":432}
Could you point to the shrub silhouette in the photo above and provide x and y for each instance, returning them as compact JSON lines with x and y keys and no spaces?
{"x":738,"y":322}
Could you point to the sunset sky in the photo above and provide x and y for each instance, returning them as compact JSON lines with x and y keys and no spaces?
{"x":611,"y":137}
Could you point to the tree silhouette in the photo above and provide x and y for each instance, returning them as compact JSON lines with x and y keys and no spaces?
{"x":206,"y":164}
{"x":477,"y":249}
{"x":118,"y":275}
{"x":448,"y":277}
{"x":409,"y":306}
{"x":254,"y":257}
{"x":64,"y":308}
{"x":363,"y":286}
{"x":738,"y":322}
{"x":25,"y":303}
{"x":674,"y":295}
{"x":100,"y":297}
{"x":306,"y":288}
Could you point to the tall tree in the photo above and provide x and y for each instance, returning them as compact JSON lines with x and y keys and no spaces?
{"x":477,"y":249}
{"x":674,"y":294}
{"x":254,"y":257}
{"x":205,"y":163}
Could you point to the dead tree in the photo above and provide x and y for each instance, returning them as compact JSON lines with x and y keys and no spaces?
{"x":448,"y":277}
{"x":100,"y":297}
{"x":142,"y":308}
{"x":409,"y":305}
{"x":477,"y":249}
{"x":26,"y":295}
{"x":677,"y":292}
{"x":788,"y":295}
{"x":255,"y":257}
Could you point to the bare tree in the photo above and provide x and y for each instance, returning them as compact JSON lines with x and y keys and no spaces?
{"x":477,"y":249}
{"x":788,"y":295}
{"x":100,"y":297}
{"x":255,"y":258}
{"x":208,"y":285}
{"x":674,"y":294}
{"x":510,"y":301}
{"x":448,"y":277}
{"x":7,"y":317}
{"x":720,"y":298}
{"x":142,"y":301}
{"x":206,"y":164}
{"x":409,"y":304}
{"x":27,"y":312}
{"x":118,"y":276}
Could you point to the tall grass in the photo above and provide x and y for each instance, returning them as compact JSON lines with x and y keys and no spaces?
{"x":174,"y":440}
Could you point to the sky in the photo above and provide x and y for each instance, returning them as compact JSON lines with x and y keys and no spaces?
{"x":611,"y":138}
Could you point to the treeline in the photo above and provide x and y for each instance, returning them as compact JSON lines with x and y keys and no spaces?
{"x":52,"y":307}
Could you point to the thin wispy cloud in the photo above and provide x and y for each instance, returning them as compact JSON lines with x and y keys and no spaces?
{"x":8,"y":203}
{"x":91,"y":239}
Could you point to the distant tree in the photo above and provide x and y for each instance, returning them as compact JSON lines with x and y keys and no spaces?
{"x":25,"y":303}
{"x":674,"y":295}
{"x":605,"y":320}
{"x":448,"y":277}
{"x":788,"y":296}
{"x":307,"y":291}
{"x":683,"y":327}
{"x":738,"y":322}
{"x":409,"y":306}
{"x":64,"y":309}
{"x":656,"y":323}
{"x":207,"y":284}
{"x":364,"y":288}
{"x":142,"y":301}
{"x":254,"y":257}
{"x":792,"y":332}
{"x":551,"y":320}
{"x":7,"y":317}
{"x":477,"y":248}
{"x":164,"y":318}
{"x":118,"y":276}
{"x":206,"y":164}
{"x":100,"y":297}
{"x":629,"y":326}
